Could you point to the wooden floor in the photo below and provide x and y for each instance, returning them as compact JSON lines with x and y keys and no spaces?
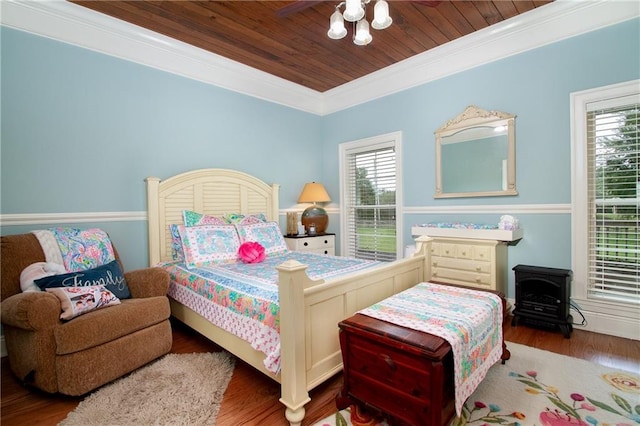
{"x":252,"y":399}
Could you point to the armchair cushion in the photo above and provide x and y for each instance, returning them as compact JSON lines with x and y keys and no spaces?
{"x":110,"y":276}
{"x":105,"y":325}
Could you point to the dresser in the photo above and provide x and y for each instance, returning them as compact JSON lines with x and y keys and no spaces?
{"x":322,"y":244}
{"x":396,"y":371}
{"x":469,"y":262}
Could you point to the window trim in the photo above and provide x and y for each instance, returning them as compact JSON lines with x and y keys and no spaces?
{"x":602,"y":316}
{"x":389,"y":139}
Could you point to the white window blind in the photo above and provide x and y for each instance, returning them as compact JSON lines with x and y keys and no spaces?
{"x":371,"y":203}
{"x":613,"y":143}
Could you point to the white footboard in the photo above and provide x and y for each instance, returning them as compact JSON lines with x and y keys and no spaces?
{"x":310,"y":348}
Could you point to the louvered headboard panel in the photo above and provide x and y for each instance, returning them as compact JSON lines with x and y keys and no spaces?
{"x":210,"y":191}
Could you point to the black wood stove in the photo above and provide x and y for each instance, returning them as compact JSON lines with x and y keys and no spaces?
{"x":542,"y":297}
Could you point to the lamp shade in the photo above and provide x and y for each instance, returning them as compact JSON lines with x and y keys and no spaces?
{"x":336,"y":28}
{"x":381,"y":18}
{"x":314,"y":218}
{"x":353,"y":10}
{"x":362,"y":36}
{"x":313,"y":192}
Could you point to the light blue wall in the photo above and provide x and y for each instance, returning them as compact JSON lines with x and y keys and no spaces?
{"x":81,"y":131}
{"x":534,"y":85}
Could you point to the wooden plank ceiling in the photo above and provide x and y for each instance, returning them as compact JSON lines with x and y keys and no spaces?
{"x":289,"y":38}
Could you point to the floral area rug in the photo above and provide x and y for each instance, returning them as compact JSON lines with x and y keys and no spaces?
{"x":539,"y":388}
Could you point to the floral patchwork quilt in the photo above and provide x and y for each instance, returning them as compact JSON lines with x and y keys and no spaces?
{"x":242,"y":298}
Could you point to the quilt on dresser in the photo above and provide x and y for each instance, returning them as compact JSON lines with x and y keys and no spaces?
{"x":243,"y":298}
{"x":470,"y":320}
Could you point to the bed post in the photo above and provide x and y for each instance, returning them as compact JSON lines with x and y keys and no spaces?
{"x":153,"y":220}
{"x":423,"y":247}
{"x":293,"y":370}
{"x":275,"y":202}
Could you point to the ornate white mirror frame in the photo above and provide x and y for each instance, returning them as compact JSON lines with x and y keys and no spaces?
{"x":475,"y":155}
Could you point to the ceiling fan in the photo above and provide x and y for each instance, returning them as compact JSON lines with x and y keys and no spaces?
{"x":300,"y":5}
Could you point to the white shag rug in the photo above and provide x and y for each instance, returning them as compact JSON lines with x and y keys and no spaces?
{"x":177,"y":389}
{"x":541,"y":388}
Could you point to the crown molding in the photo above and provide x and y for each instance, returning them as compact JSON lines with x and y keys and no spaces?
{"x":79,"y":26}
{"x":544,"y":25}
{"x":76,"y":25}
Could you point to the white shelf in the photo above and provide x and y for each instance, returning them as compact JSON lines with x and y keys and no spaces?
{"x":477,"y":234}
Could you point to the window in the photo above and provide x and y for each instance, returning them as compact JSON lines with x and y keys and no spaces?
{"x":614,"y":181}
{"x":606,"y":194}
{"x":370,"y":191}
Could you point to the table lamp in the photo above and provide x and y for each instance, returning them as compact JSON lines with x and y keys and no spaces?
{"x":314,"y":218}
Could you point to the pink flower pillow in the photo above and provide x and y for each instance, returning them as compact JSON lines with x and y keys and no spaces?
{"x":251,"y":252}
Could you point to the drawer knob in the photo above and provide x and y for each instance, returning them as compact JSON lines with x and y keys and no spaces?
{"x":326,"y":252}
{"x":446,"y":251}
{"x":387,"y":359}
{"x":478,"y":268}
{"x":326,"y":242}
{"x":477,"y":280}
{"x":435,"y":263}
{"x":306,"y":244}
{"x":464,"y":253}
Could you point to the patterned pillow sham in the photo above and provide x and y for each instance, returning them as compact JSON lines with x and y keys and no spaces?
{"x":209,"y":244}
{"x":244,"y":219}
{"x":191,"y":218}
{"x":176,"y":242}
{"x":268,"y":234}
{"x":76,"y":301}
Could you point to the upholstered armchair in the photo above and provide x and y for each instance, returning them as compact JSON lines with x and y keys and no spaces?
{"x":76,"y":356}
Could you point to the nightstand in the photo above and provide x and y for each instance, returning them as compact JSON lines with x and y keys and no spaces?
{"x":322,"y":244}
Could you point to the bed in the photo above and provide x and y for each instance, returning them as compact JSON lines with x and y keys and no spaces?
{"x":309,"y":309}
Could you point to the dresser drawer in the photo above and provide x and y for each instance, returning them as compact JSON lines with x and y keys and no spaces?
{"x":483,"y":253}
{"x":475,"y":263}
{"x":461,"y":264}
{"x":444,"y":250}
{"x":321,"y":244}
{"x":468,"y":278}
{"x":316,"y":243}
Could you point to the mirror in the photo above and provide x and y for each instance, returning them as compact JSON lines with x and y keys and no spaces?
{"x":475,"y":155}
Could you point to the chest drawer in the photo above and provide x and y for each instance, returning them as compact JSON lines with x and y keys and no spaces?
{"x":404,"y":373}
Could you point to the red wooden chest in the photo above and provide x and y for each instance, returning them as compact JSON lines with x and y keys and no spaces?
{"x":402,"y":373}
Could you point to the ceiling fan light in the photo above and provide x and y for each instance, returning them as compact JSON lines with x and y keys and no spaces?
{"x":337,"y":29}
{"x":381,"y":18}
{"x":353,"y":10}
{"x":362,"y":37}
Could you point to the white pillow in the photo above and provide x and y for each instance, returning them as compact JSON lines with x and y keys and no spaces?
{"x":38,"y":270}
{"x":268,"y":234}
{"x":209,"y":244}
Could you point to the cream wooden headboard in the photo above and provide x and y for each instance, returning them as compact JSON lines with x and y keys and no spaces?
{"x":210,"y":191}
